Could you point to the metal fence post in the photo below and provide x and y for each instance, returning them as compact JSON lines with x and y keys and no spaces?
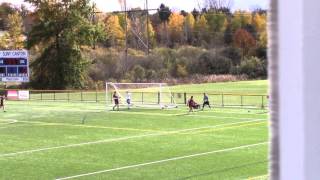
{"x":96,"y":96}
{"x":68,"y":94}
{"x":81,"y":95}
{"x":222,"y":100}
{"x":158,"y":97}
{"x":172,"y":95}
{"x":185,"y":97}
{"x":262,"y":102}
{"x":241,"y":101}
{"x":41,"y":95}
{"x":54,"y":95}
{"x":142,"y":97}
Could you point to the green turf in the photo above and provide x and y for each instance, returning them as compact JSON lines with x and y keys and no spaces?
{"x":240,"y":87}
{"x":130,"y":137}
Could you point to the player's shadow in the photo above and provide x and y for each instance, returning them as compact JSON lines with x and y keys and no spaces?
{"x":195,"y":176}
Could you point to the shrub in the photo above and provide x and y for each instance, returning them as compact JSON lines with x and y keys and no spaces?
{"x":212,"y":64}
{"x":138,"y":73}
{"x":253,"y":67}
{"x":151,"y":74}
{"x":234,"y":54}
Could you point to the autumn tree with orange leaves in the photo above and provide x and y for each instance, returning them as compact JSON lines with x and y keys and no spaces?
{"x":244,"y":40}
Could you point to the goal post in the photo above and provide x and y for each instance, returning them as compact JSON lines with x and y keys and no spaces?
{"x":153,"y":95}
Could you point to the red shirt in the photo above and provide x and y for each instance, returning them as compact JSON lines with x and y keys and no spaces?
{"x":191,"y":103}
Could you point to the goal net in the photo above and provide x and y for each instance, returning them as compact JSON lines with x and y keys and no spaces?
{"x":153,"y":95}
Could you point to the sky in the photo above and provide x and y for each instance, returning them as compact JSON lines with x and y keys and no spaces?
{"x":188,"y":5}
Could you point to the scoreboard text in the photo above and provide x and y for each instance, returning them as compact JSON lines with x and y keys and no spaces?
{"x":14,"y":66}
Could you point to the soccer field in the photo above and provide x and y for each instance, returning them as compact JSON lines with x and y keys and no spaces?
{"x":61,"y":140}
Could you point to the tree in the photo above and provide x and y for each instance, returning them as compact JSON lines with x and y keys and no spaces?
{"x":164,"y":14}
{"x":244,"y":40}
{"x":195,"y":13}
{"x":253,"y":67}
{"x":218,"y":5}
{"x":5,"y":10}
{"x":175,"y":27}
{"x":64,"y":27}
{"x":151,"y":33}
{"x":209,"y":63}
{"x":228,"y":35}
{"x":241,"y":19}
{"x":217,"y":21}
{"x":114,"y":31}
{"x":189,"y":28}
{"x":14,"y":38}
{"x":138,"y":73}
{"x":201,"y":30}
{"x":260,"y":24}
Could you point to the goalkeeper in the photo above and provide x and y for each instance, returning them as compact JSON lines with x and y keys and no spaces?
{"x":116,"y":100}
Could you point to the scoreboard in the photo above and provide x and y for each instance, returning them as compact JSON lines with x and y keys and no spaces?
{"x":14,"y":66}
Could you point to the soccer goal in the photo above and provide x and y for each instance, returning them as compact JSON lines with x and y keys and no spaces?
{"x":149,"y":95}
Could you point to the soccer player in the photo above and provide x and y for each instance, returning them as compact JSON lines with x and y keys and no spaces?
{"x":128,"y":99}
{"x":192,"y":104}
{"x":205,"y":101}
{"x":2,"y":103}
{"x":116,"y":100}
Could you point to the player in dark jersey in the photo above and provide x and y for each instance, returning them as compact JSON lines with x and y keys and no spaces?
{"x":116,"y":100}
{"x":205,"y":101}
{"x":2,"y":103}
{"x":192,"y":104}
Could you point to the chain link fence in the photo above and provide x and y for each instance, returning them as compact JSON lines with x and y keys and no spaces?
{"x":179,"y":98}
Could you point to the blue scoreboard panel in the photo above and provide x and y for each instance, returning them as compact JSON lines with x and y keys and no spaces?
{"x":14,"y":66}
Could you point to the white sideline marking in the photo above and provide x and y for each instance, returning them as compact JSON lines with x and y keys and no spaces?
{"x":88,"y":126}
{"x":8,"y":121}
{"x":121,"y":139}
{"x":165,"y":160}
{"x":74,"y":125}
{"x":186,"y":114}
{"x":258,"y":177}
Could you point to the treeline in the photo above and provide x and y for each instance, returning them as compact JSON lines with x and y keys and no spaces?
{"x":208,"y":28}
{"x":184,"y":64}
{"x":72,"y":46}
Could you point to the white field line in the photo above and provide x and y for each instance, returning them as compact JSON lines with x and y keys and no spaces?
{"x":7,"y":121}
{"x":262,"y":177}
{"x":165,"y":160}
{"x":120,"y":139}
{"x":88,"y":126}
{"x":39,"y":123}
{"x":224,"y":128}
{"x":7,"y":127}
{"x":184,"y":114}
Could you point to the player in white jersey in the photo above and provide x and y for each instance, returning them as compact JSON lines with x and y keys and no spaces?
{"x":128,"y":98}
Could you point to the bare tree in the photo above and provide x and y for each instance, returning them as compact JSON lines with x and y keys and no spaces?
{"x":121,"y":2}
{"x":217,"y":4}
